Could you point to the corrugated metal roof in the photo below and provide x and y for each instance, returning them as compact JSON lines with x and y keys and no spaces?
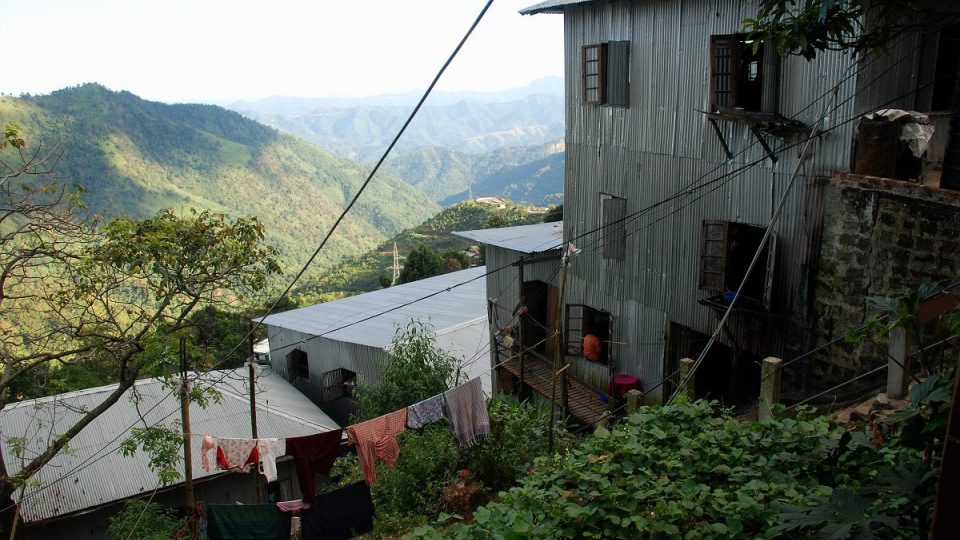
{"x":459,"y":298}
{"x":552,"y":6}
{"x":93,"y":472}
{"x":524,"y":238}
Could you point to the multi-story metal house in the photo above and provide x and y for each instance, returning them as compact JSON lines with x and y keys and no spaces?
{"x":683,"y":137}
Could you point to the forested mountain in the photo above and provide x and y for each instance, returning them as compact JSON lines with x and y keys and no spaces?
{"x":363,"y":131}
{"x":135,"y":157}
{"x":361,"y":273}
{"x":524,"y":174}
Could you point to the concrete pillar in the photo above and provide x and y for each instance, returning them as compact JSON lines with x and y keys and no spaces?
{"x":769,"y":387}
{"x":633,"y":400}
{"x":689,"y":389}
{"x":898,"y":363}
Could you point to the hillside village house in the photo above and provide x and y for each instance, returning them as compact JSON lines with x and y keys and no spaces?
{"x":78,"y":490}
{"x":682,"y":137}
{"x":325,"y":350}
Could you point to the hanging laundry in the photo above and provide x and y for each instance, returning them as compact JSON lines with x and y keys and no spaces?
{"x":292,"y":506}
{"x":209,"y":443}
{"x":268,"y":449}
{"x":313,"y":454}
{"x":339,"y":514}
{"x":467,"y":411}
{"x":377,"y":439}
{"x":237,"y":454}
{"x":425,"y":412}
{"x":247,"y":522}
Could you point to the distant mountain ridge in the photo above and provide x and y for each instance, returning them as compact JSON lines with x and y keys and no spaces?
{"x":477,"y":122}
{"x":135,"y":156}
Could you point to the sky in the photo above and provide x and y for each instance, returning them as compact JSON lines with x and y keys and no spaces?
{"x":224,"y":50}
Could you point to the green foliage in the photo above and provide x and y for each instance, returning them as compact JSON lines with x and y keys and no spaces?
{"x":807,"y":27}
{"x":694,"y":471}
{"x":421,"y":263}
{"x":163,"y":444}
{"x":142,"y":520}
{"x":454,"y":260}
{"x":517,"y":434}
{"x":427,"y":464}
{"x":555,"y":213}
{"x":416,"y":370}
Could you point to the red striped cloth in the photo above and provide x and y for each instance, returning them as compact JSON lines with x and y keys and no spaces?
{"x":377,"y":439}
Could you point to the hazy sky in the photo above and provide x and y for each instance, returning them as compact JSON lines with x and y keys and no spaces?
{"x":216,"y":50}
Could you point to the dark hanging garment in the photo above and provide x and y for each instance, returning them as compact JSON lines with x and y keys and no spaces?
{"x":247,"y":522}
{"x":339,"y":514}
{"x":313,"y":454}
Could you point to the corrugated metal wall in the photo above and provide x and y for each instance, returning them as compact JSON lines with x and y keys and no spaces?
{"x":662,"y":144}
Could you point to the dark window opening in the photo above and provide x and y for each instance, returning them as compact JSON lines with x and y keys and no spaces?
{"x":613,"y":238}
{"x":583,"y":321}
{"x":945,"y":72}
{"x":729,"y":376}
{"x":338,"y":383}
{"x":726,"y":250}
{"x":736,"y":73}
{"x":298,"y":365}
{"x":606,"y":74}
{"x":538,"y":322}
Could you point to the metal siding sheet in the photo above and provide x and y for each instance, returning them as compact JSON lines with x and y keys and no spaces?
{"x":93,"y":473}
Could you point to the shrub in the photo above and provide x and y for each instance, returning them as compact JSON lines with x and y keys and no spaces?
{"x":138,"y":519}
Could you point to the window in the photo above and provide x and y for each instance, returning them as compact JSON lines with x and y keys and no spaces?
{"x":298,"y":365}
{"x":338,"y":383}
{"x":945,"y":72}
{"x":726,"y":249}
{"x":583,"y":320}
{"x":737,"y":74}
{"x":606,"y":74}
{"x":613,"y":238}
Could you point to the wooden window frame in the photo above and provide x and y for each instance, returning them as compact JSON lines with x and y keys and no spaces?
{"x":573,"y":339}
{"x":730,"y":74}
{"x":715,"y":264}
{"x":594,"y":73}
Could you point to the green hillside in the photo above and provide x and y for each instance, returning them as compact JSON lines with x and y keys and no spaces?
{"x":360,"y":273}
{"x":135,"y":157}
{"x":524,"y":174}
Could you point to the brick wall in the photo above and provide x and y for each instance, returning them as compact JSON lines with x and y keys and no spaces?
{"x":881,"y":237}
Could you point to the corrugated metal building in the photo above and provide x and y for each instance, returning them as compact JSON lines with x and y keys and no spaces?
{"x":322,"y":348}
{"x":681,"y":140}
{"x":72,"y":495}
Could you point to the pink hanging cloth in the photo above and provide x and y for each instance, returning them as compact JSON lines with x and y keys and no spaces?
{"x":377,"y":439}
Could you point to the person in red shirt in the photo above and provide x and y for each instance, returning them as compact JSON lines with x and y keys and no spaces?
{"x":591,"y":347}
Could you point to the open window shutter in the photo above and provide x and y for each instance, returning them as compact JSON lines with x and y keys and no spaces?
{"x":713,"y":254}
{"x":723,"y":71}
{"x":771,"y":266}
{"x":618,"y":73}
{"x":574,"y":328}
{"x":614,"y":240}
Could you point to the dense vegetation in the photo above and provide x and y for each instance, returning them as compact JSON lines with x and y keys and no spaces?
{"x":527,"y":174}
{"x":135,"y":157}
{"x":362,"y":273}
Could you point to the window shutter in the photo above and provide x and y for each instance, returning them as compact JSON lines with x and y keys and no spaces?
{"x":713,"y":255}
{"x":613,"y":211}
{"x":618,"y":73}
{"x":574,"y":328}
{"x":594,"y":74}
{"x":723,"y":71}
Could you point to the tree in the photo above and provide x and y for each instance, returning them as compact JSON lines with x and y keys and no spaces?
{"x":808,"y":27}
{"x":416,"y":370}
{"x":78,"y":291}
{"x":422,"y":262}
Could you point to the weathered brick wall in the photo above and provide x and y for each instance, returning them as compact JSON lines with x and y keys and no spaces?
{"x":881,"y":237}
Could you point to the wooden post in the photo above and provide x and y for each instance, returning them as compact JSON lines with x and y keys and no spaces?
{"x":633,"y":400}
{"x":689,"y":388}
{"x":557,"y":350}
{"x":564,"y":392}
{"x":185,"y":422}
{"x":523,"y":304}
{"x":898,"y":367}
{"x":769,"y":387}
{"x":946,"y":520}
{"x":494,"y":348}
